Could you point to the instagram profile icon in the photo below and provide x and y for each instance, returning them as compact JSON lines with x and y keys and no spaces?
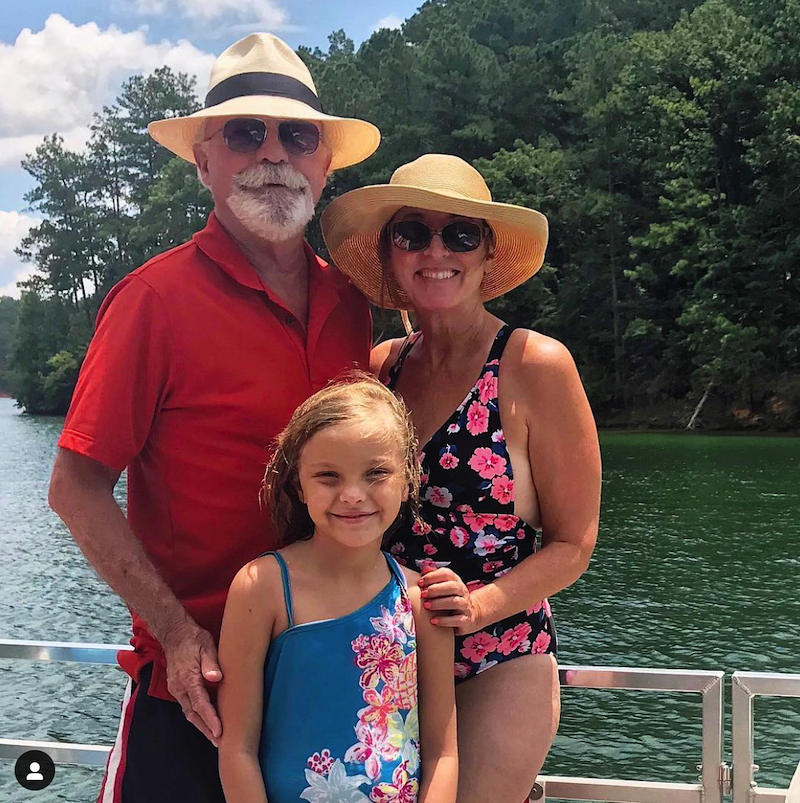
{"x":34,"y":770}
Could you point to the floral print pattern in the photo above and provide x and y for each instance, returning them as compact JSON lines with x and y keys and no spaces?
{"x":402,"y":789}
{"x":383,"y":761}
{"x":334,"y":786}
{"x":468,"y":521}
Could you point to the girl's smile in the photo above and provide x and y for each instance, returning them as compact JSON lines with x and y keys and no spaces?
{"x":354,"y":518}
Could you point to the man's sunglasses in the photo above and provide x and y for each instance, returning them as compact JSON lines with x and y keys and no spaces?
{"x":247,"y":135}
{"x":459,"y":236}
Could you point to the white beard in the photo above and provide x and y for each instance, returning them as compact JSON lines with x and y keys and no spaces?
{"x":274,"y":213}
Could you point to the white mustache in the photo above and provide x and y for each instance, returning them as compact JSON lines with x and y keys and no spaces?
{"x":263,"y":174}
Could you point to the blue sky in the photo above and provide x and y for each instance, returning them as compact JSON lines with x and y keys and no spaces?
{"x":61,"y":61}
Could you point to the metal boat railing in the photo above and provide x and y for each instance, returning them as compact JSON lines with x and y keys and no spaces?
{"x":69,"y":652}
{"x":718,"y":779}
{"x":746,"y":686}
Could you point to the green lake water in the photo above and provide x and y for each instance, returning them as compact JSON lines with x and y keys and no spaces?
{"x":697,"y":567}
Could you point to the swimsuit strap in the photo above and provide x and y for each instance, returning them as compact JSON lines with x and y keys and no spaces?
{"x":287,"y":586}
{"x":394,"y":371}
{"x":394,"y":566}
{"x":500,"y":342}
{"x":495,"y":353}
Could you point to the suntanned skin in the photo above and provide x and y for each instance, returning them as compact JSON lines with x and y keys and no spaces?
{"x":256,"y":606}
{"x":81,"y":489}
{"x":281,"y":265}
{"x":333,"y":574}
{"x":508,"y":715}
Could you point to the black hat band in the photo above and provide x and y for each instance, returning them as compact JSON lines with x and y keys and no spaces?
{"x":262,"y":83}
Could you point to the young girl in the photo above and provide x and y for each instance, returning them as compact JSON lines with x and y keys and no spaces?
{"x":324,"y":643}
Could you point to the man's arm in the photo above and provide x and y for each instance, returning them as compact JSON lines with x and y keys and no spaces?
{"x":82,"y":494}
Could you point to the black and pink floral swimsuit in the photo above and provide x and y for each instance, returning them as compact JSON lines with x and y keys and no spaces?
{"x":468,"y":521}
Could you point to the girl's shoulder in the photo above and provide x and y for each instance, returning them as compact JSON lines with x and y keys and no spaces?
{"x":263,"y":568}
{"x":258,"y":581}
{"x":254,"y":609}
{"x":412,"y":577}
{"x":412,"y":588}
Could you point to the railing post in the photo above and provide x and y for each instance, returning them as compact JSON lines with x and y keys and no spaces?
{"x":712,"y":741}
{"x":742,"y":741}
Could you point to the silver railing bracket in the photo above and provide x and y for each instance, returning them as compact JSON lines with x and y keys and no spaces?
{"x":725,"y":778}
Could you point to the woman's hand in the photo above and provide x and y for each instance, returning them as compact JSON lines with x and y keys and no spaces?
{"x":448,"y":600}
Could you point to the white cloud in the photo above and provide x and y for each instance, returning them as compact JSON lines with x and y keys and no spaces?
{"x":13,"y":149}
{"x":56,"y":78}
{"x":261,"y":12}
{"x":13,"y":227}
{"x":391,"y":21}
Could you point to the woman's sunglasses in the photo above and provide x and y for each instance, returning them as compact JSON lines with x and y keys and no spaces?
{"x":459,"y":236}
{"x":247,"y":135}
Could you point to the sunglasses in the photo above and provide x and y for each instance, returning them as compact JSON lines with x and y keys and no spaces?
{"x":247,"y":135}
{"x":460,"y":236}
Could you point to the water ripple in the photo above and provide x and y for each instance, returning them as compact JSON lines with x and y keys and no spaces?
{"x":695,"y":568}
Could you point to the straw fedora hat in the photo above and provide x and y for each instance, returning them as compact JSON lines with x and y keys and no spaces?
{"x":352,"y":225}
{"x":261,"y":76}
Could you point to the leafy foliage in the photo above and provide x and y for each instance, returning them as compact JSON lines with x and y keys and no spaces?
{"x":105,"y":212}
{"x":660,"y":137}
{"x":8,"y":324}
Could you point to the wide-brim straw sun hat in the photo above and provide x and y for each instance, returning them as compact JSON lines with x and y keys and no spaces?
{"x":353,"y":222}
{"x":261,"y":76}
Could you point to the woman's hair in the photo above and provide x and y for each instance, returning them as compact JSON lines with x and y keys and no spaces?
{"x":353,"y":396}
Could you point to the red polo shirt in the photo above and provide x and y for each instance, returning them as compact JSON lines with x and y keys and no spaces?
{"x":194,"y":368}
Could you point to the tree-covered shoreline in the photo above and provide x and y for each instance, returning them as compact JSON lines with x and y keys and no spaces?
{"x":661,"y":139}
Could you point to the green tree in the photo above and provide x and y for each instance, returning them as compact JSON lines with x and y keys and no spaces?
{"x":46,"y":325}
{"x":104,"y":213}
{"x":660,"y":137}
{"x":9,"y":310}
{"x":65,"y":247}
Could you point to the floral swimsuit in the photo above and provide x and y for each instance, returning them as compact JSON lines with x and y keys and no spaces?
{"x":468,"y":521}
{"x":341,"y":722}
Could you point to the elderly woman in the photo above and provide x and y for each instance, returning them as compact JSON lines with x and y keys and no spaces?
{"x":508,"y":448}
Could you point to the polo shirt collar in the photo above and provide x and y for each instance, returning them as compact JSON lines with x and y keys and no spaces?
{"x":325,"y":282}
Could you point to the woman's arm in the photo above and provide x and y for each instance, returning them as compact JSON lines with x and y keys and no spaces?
{"x":565,"y":463}
{"x":246,"y":629}
{"x":437,"y":708}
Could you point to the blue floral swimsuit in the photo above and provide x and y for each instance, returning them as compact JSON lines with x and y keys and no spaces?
{"x":468,"y":521}
{"x":340,"y":722}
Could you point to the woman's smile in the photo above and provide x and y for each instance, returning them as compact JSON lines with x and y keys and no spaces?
{"x":437,"y":275}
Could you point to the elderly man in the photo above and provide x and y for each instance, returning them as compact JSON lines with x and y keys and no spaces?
{"x":198,"y":360}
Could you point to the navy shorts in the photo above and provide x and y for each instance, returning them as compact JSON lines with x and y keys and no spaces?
{"x":159,"y":757}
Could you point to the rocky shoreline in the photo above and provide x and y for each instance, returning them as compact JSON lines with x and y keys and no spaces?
{"x":716,"y":416}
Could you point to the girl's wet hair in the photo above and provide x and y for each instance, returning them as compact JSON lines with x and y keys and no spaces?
{"x":352,"y":397}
